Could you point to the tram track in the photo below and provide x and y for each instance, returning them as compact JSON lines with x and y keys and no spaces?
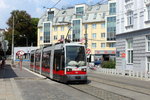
{"x":121,"y":85}
{"x":99,"y":93}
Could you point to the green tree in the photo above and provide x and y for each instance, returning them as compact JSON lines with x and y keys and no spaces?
{"x":25,"y":29}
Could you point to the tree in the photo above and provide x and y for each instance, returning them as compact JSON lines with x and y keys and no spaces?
{"x":33,"y":37}
{"x":25,"y":29}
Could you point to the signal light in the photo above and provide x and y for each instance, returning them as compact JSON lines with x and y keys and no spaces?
{"x":84,"y":69}
{"x":69,"y":69}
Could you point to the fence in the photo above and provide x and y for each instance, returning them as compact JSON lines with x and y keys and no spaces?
{"x":135,"y":74}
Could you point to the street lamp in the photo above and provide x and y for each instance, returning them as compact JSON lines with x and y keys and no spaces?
{"x":12,"y":49}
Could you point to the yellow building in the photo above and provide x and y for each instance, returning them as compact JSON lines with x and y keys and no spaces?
{"x":79,"y":23}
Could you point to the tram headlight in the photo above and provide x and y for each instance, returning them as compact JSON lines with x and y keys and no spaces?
{"x":84,"y":69}
{"x":68,"y":69}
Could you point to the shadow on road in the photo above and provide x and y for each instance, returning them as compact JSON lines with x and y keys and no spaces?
{"x":7,"y":72}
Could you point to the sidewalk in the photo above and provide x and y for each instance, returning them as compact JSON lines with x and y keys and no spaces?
{"x":8,"y":86}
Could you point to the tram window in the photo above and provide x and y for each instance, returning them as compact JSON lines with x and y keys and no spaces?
{"x":32,"y":58}
{"x":37,"y":59}
{"x":46,"y":59}
{"x":58,"y":60}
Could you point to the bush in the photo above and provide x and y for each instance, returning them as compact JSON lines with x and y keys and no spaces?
{"x":108,"y":64}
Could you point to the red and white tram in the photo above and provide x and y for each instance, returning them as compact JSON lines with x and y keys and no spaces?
{"x":61,"y":62}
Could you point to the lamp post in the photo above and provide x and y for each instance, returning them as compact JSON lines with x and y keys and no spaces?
{"x":12,"y":49}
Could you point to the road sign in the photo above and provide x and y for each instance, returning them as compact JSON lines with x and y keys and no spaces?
{"x":88,"y":51}
{"x":5,"y":45}
{"x":20,"y":53}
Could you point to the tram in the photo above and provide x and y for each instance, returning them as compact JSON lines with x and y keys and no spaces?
{"x":62,"y":62}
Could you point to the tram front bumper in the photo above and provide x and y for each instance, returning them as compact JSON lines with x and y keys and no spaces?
{"x":76,"y":77}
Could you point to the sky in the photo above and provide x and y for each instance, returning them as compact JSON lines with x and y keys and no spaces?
{"x":34,"y":7}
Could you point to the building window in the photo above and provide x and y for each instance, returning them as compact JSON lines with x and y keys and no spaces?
{"x":111,"y":28}
{"x":55,"y":37}
{"x":56,"y":20}
{"x":130,"y":18}
{"x":79,"y":12}
{"x":127,"y":1}
{"x":130,"y":51}
{"x":94,"y":26}
{"x":40,"y":30}
{"x":148,"y":64}
{"x":148,"y":12}
{"x":63,"y":19}
{"x":62,"y":28}
{"x":102,"y":35}
{"x":87,"y":16}
{"x":85,"y":26}
{"x":148,"y":43}
{"x":76,"y":30}
{"x":94,"y":35}
{"x":62,"y":36}
{"x":93,"y":45}
{"x":41,"y":38}
{"x":112,"y":45}
{"x":50,"y":15}
{"x":112,"y":9}
{"x":103,"y":45}
{"x":70,"y":18}
{"x":95,"y":15}
{"x":47,"y":32}
{"x":55,"y":28}
{"x":103,"y":25}
{"x":69,"y":36}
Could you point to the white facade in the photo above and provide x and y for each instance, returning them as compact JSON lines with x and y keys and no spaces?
{"x":133,"y":35}
{"x":132,"y":15}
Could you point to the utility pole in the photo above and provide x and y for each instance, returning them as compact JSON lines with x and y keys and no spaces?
{"x":86,"y":40}
{"x":12,"y":50}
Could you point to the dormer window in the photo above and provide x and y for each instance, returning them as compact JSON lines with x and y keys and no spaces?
{"x":112,"y":8}
{"x":95,"y":15}
{"x":87,"y":15}
{"x":50,"y":15}
{"x":98,"y":7}
{"x":63,"y":12}
{"x":127,"y":1}
{"x":90,"y":8}
{"x":80,"y":10}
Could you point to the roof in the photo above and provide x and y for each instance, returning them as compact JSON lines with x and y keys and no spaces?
{"x":94,"y":13}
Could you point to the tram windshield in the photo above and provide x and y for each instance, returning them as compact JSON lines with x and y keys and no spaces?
{"x":75,"y":56}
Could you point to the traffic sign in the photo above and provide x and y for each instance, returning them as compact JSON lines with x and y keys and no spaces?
{"x":20,"y":53}
{"x":88,"y":51}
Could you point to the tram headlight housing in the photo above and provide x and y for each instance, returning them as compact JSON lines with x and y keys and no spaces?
{"x":68,"y":69}
{"x":84,"y":69}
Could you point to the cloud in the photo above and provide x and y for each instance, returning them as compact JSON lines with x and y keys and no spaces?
{"x":3,"y":5}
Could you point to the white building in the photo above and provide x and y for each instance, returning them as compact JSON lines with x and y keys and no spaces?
{"x":133,"y":35}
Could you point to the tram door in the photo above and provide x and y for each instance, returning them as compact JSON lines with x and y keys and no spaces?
{"x":58,"y":66}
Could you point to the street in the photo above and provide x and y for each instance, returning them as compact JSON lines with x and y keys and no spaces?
{"x":27,"y":85}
